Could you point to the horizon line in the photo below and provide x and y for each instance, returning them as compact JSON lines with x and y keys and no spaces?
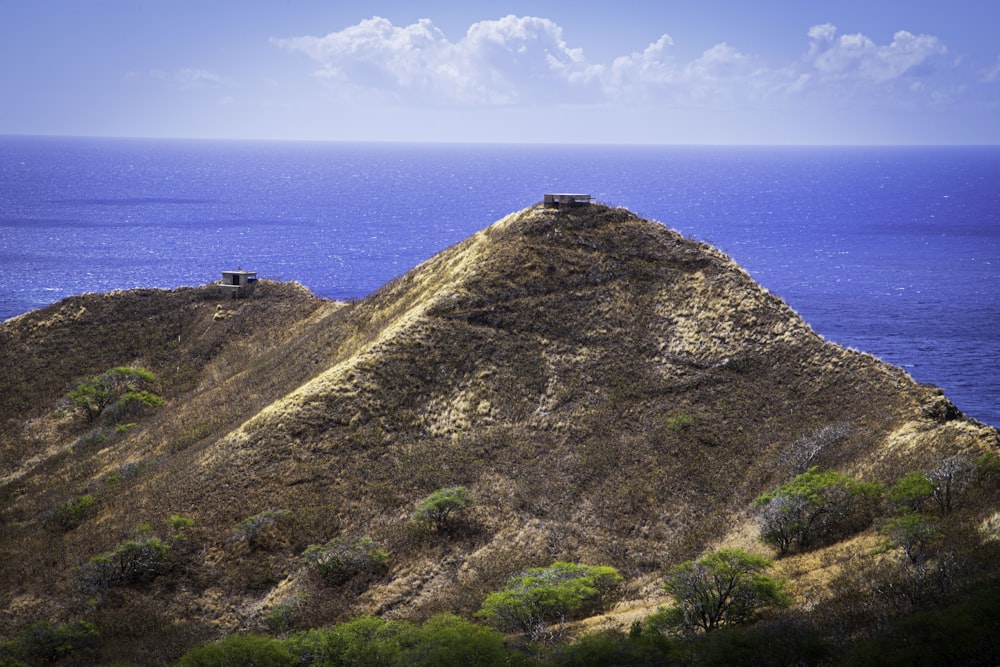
{"x":425,"y":142}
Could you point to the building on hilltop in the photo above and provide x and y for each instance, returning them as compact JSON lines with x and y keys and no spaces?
{"x":240,"y":284}
{"x":565,"y":200}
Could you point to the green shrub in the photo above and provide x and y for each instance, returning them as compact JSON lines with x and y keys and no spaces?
{"x":909,"y":493}
{"x":726,"y":587}
{"x":239,"y":651}
{"x":279,"y":619}
{"x":441,"y":506}
{"x":363,"y":641}
{"x":813,"y":507}
{"x":442,"y":641}
{"x":987,"y":465}
{"x":71,"y":513}
{"x":45,"y":642}
{"x":545,"y":595}
{"x":179,"y":526}
{"x":446,"y":641}
{"x":679,"y":422}
{"x":179,"y":523}
{"x":341,"y":559}
{"x":122,"y":388}
{"x":914,"y":533}
{"x":131,"y":562}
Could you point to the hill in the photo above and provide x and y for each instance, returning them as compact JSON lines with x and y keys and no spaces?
{"x":608,"y":391}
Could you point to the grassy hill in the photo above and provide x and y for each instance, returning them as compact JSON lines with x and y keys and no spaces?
{"x":608,"y":391}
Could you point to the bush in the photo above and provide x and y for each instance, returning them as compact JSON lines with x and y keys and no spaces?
{"x":239,"y":651}
{"x":340,"y":559}
{"x":279,"y":619}
{"x":121,"y":388}
{"x":363,"y":641}
{"x":71,"y":513}
{"x":45,"y":642}
{"x":909,"y":493}
{"x":442,"y":641}
{"x":131,"y":562}
{"x":438,"y":508}
{"x":545,"y":595}
{"x":613,"y":648}
{"x":914,"y":533}
{"x":253,"y":528}
{"x":447,"y":640}
{"x":777,"y":644}
{"x":726,"y":587}
{"x":964,"y":633}
{"x":179,"y":523}
{"x":815,"y":506}
{"x":91,"y":438}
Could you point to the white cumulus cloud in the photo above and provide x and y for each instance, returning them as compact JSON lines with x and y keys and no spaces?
{"x":509,"y":60}
{"x":527,"y":60}
{"x":858,"y":56}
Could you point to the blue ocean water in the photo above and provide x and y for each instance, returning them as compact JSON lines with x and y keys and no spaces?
{"x":894,"y":251}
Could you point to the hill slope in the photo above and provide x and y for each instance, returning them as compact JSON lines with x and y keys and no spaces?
{"x":609,"y":391}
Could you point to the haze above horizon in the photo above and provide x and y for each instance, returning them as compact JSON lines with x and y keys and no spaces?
{"x":675,"y":72}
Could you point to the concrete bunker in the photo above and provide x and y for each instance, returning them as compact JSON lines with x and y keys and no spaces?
{"x":239,"y":284}
{"x":561,"y":200}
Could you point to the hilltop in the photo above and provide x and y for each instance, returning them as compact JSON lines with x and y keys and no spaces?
{"x":609,"y":391}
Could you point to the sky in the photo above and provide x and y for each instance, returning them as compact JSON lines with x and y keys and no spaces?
{"x":768,"y":72}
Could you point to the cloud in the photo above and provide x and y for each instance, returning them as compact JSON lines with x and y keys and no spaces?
{"x":506,"y":61}
{"x":719,"y":75}
{"x":991,"y":74}
{"x":858,"y":57}
{"x":188,"y":78}
{"x":526,"y":60}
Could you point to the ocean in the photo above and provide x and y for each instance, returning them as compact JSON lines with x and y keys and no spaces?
{"x":893,"y":251}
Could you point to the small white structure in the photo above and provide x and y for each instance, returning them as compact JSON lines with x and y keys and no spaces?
{"x":239,"y":283}
{"x":565,"y":200}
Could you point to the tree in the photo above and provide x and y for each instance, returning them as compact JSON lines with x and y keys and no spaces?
{"x":802,"y":452}
{"x":123,"y":387}
{"x":914,"y":533}
{"x":540,"y":596}
{"x":910,"y":492}
{"x":726,"y":587}
{"x":949,"y":478}
{"x":816,"y":504}
{"x":784,"y":519}
{"x":438,"y":508}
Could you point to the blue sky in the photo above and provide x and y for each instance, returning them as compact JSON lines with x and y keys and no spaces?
{"x":673,"y":71}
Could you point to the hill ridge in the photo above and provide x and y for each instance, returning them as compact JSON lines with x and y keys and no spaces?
{"x":608,"y":390}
